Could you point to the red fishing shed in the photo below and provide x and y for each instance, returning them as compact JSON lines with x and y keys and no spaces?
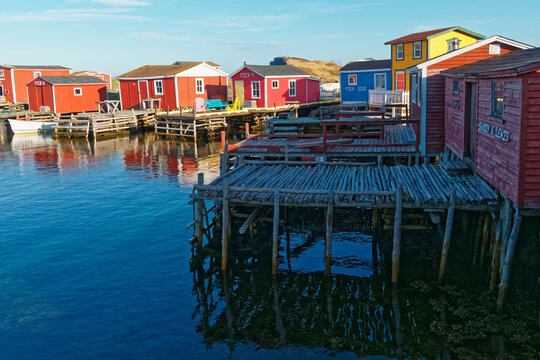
{"x":66,"y":94}
{"x":493,"y":122}
{"x":427,"y":90}
{"x":13,"y":79}
{"x":176,"y":85}
{"x":274,"y":85}
{"x":100,"y":75}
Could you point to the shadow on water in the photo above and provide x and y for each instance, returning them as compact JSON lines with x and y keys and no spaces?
{"x":357,"y":310}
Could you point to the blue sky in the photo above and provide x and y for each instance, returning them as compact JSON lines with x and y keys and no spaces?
{"x":116,"y":36}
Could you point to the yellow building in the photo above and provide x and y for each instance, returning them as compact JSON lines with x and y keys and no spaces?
{"x":415,"y":48}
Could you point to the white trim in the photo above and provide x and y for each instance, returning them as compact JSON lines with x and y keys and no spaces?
{"x":402,"y":52}
{"x":75,"y":91}
{"x":227,"y":79}
{"x":194,"y":69}
{"x":287,"y":76}
{"x":155,"y":88}
{"x":489,"y":40}
{"x":375,"y":81}
{"x":245,"y":67}
{"x":314,"y":79}
{"x":414,"y":50}
{"x":28,"y":97}
{"x":272,"y":83}
{"x":202,"y":86}
{"x":359,"y":71}
{"x":53,"y":99}
{"x":119,"y":94}
{"x":38,"y":74}
{"x":266,"y":93}
{"x":349,"y":80}
{"x":176,"y":94}
{"x":141,"y":78}
{"x":2,"y":87}
{"x":13,"y":85}
{"x":139,"y":89}
{"x":295,"y":92}
{"x":423,"y":112}
{"x":252,"y":96}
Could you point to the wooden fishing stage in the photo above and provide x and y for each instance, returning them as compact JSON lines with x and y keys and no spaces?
{"x":191,"y":124}
{"x":99,"y":124}
{"x":349,"y":135}
{"x":252,"y":188}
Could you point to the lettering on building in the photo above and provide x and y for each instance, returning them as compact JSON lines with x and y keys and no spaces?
{"x":494,"y":131}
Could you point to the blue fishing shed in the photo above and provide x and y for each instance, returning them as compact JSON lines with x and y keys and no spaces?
{"x":358,"y":77}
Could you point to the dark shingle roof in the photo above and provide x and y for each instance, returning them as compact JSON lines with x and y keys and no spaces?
{"x":161,"y":70}
{"x":75,"y":80}
{"x":507,"y":62}
{"x":278,"y":70}
{"x":195,"y":62}
{"x":36,"y":67}
{"x":368,"y":65}
{"x":426,"y":34}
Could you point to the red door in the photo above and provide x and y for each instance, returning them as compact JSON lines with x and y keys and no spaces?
{"x":143,"y":91}
{"x":400,"y":80}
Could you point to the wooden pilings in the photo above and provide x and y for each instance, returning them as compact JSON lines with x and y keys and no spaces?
{"x":275,"y":233}
{"x":328,"y":247}
{"x":397,"y":233}
{"x":505,"y":276}
{"x":447,"y":234}
{"x":200,"y":213}
{"x":225,"y":227}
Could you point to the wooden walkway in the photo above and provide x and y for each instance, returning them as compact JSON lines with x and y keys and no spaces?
{"x":311,"y":183}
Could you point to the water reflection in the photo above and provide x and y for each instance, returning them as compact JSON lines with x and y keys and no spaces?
{"x":141,"y":153}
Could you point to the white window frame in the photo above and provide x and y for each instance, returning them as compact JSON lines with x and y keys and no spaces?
{"x":2,"y":90}
{"x":277,"y":84}
{"x":201,"y":91}
{"x":419,"y":56}
{"x":156,"y":87}
{"x":375,"y":80}
{"x":258,"y":96}
{"x":37,"y":74}
{"x":414,"y":87}
{"x":293,"y":87}
{"x":75,"y":91}
{"x":351,"y":77}
{"x":1,"y":73}
{"x":400,"y":46}
{"x":494,"y":49}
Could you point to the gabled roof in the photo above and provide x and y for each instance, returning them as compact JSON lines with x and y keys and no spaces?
{"x":151,"y":71}
{"x":480,"y":43}
{"x":424,"y":35}
{"x":367,"y":65}
{"x":196,"y":63}
{"x":72,"y":80}
{"x":274,"y":70}
{"x":516,"y":63}
{"x":85,"y":71}
{"x":36,"y":67}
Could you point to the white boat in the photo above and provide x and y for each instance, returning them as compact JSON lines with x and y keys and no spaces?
{"x":31,"y":126}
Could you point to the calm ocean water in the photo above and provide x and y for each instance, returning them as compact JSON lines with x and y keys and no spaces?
{"x":96,"y":264}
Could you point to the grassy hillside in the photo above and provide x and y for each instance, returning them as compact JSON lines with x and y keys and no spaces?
{"x":327,"y":71}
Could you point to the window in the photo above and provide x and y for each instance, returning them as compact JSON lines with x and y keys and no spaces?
{"x":400,"y":80}
{"x":417,"y":50}
{"x":380,"y":81}
{"x":1,"y":73}
{"x":37,"y":74}
{"x":158,"y":87}
{"x":414,"y":87}
{"x":494,"y":49}
{"x":399,"y":52}
{"x":292,"y":88}
{"x":199,"y":86}
{"x":275,"y":84}
{"x":455,"y":87}
{"x":77,"y":91}
{"x":497,"y":98}
{"x":453,"y":44}
{"x":255,"y":89}
{"x":352,"y":79}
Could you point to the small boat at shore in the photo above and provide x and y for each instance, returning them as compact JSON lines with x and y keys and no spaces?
{"x":31,"y":126}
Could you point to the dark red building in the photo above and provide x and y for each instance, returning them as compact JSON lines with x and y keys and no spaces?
{"x":176,"y":85}
{"x":426,"y":100}
{"x":493,"y":122}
